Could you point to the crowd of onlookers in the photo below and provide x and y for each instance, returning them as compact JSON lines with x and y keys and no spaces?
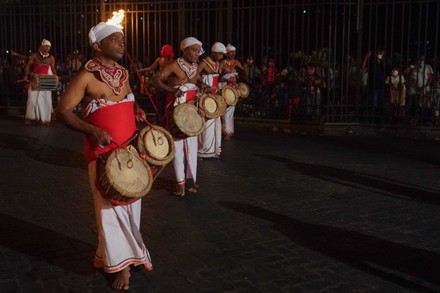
{"x":376,"y":90}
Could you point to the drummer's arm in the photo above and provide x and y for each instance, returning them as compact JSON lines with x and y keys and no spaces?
{"x":27,"y":67}
{"x":158,"y":80}
{"x":53,"y":67}
{"x":73,"y":95}
{"x":238,"y":64}
{"x":203,"y":86}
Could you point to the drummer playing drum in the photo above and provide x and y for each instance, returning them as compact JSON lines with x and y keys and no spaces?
{"x":182,"y":79}
{"x":210,"y":69}
{"x":230,"y":65}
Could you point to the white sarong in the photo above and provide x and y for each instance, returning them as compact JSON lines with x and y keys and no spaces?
{"x":185,"y":159}
{"x":39,"y":105}
{"x":120,"y":242}
{"x":210,"y":139}
{"x":228,"y":120}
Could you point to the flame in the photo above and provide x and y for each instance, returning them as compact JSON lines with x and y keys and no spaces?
{"x":117,"y":18}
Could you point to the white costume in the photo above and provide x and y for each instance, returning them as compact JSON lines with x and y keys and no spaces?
{"x":228,"y":119}
{"x":185,"y":157}
{"x":120,"y":242}
{"x":39,"y":103}
{"x":210,"y":138}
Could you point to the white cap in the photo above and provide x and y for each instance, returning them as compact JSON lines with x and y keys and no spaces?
{"x":101,"y":31}
{"x":188,"y":42}
{"x":218,"y":47}
{"x":45,"y":42}
{"x":230,"y":48}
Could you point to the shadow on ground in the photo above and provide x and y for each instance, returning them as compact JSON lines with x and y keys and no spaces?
{"x":359,"y":180}
{"x":391,"y":261}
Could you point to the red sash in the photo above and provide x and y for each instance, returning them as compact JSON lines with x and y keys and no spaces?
{"x":40,"y":68}
{"x":215,"y":79}
{"x":118,"y":120}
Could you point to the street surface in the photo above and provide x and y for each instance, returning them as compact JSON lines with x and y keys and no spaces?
{"x":277,"y":213}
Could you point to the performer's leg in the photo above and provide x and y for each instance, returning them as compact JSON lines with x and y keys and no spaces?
{"x":191,"y":147}
{"x":179,"y":166}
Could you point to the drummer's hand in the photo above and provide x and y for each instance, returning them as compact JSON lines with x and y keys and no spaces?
{"x":101,"y":137}
{"x":139,"y":114}
{"x":177,"y":92}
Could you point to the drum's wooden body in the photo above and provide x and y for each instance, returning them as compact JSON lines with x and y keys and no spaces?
{"x":208,"y":103}
{"x":222,"y":106}
{"x":185,"y":121}
{"x":44,"y":82}
{"x":123,"y":176}
{"x":155,"y":145}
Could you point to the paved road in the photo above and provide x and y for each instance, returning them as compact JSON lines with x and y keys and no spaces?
{"x":277,"y":213}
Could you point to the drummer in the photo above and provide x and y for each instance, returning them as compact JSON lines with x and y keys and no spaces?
{"x":39,"y":102}
{"x":183,"y":71}
{"x":230,"y":67}
{"x":110,"y":110}
{"x":210,"y":68}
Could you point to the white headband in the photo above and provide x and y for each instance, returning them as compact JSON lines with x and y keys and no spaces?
{"x":101,"y":31}
{"x":218,"y":47}
{"x":230,"y":48}
{"x":188,"y":42}
{"x":45,"y":42}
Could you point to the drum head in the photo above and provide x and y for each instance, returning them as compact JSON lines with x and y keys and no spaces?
{"x":243,"y":89}
{"x":188,"y":120}
{"x":209,"y":104}
{"x":128,"y":173}
{"x":230,"y":95}
{"x":157,"y":144}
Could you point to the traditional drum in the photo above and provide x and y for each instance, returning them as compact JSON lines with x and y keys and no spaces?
{"x":155,"y":145}
{"x":231,"y":95}
{"x":44,"y":82}
{"x":185,"y":121}
{"x":243,"y":89}
{"x":222,"y":107}
{"x":209,"y":105}
{"x":123,"y":175}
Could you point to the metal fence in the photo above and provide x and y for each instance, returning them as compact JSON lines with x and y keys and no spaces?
{"x":283,"y":36}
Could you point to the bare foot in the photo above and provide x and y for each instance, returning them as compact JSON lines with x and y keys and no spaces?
{"x":227,"y":137}
{"x":122,"y":280}
{"x":180,"y":190}
{"x":191,"y":189}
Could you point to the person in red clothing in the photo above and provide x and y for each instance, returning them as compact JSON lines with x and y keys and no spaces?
{"x":102,"y":88}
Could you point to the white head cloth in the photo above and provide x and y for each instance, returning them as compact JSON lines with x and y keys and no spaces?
{"x":189,"y":42}
{"x":101,"y":31}
{"x":218,"y":47}
{"x":45,"y":42}
{"x":230,"y":48}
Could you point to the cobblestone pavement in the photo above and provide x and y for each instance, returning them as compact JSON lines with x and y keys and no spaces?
{"x":277,"y":213}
